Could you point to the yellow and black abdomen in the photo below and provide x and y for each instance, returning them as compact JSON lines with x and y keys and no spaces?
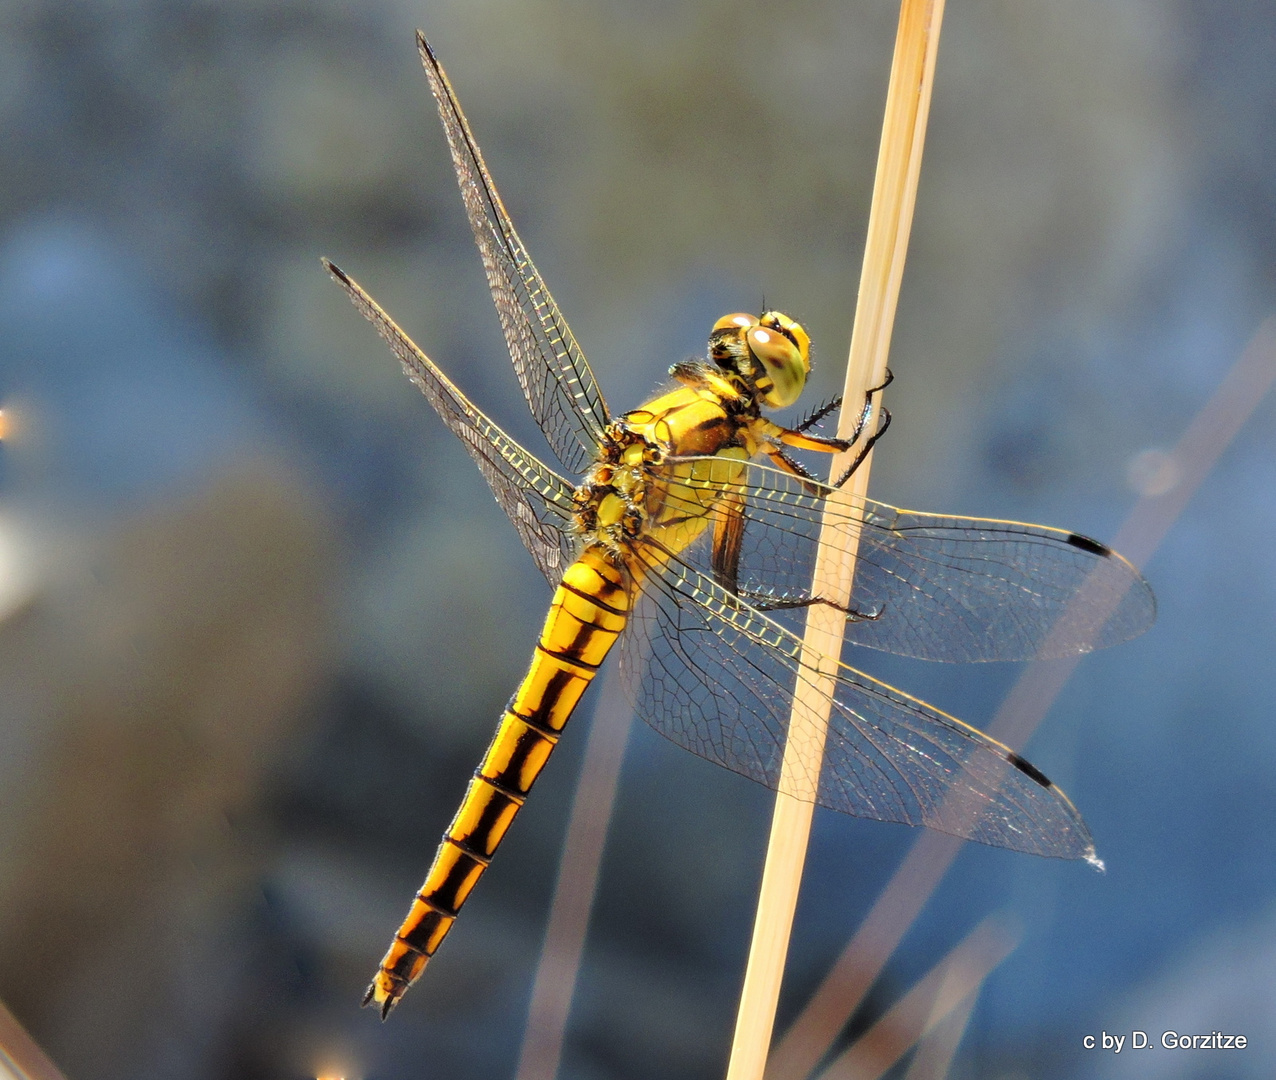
{"x":589,"y":610}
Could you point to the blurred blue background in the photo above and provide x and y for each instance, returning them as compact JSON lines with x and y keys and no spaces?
{"x":259,"y":613}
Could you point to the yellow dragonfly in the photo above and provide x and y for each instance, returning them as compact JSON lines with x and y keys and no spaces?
{"x":699,"y":558}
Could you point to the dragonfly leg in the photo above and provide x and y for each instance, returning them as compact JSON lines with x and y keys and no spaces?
{"x":782,"y":461}
{"x":884,"y":421}
{"x":867,"y":411}
{"x":800,"y":439}
{"x":819,"y":414}
{"x":728,"y":536}
{"x":865,"y":415}
{"x":772,"y":602}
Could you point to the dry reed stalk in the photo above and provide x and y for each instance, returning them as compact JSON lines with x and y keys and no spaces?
{"x":942,"y":990}
{"x":578,"y":869}
{"x":1195,"y":454}
{"x":886,"y":244}
{"x":936,"y":1051}
{"x":839,"y":995}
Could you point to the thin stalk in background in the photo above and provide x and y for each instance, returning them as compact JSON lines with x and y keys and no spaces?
{"x":20,"y":1056}
{"x":945,"y":988}
{"x":578,"y":868}
{"x":886,"y":244}
{"x":936,"y":1051}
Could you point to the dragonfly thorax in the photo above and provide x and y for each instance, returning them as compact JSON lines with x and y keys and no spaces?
{"x":610,"y":501}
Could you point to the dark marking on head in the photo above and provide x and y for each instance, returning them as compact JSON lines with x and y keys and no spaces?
{"x":1029,"y":769}
{"x":1093,"y":547}
{"x":784,"y":331}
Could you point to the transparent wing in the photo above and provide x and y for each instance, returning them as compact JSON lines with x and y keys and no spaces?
{"x":939,"y":587}
{"x":556,"y":379}
{"x":537,"y":500}
{"x":717,"y":678}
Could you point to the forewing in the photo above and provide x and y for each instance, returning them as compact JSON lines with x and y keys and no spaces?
{"x":537,"y":499}
{"x":556,"y":379}
{"x":939,"y":587}
{"x":718,"y":678}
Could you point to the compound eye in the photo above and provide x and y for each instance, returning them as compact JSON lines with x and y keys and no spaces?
{"x":782,"y":361}
{"x":791,"y":329}
{"x":738,"y":321}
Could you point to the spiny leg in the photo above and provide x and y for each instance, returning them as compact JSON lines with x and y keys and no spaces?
{"x":728,"y":537}
{"x":861,"y":423}
{"x":810,"y":484}
{"x":799,"y":437}
{"x":867,"y":411}
{"x":772,"y":602}
{"x":819,"y":414}
{"x":884,"y":421}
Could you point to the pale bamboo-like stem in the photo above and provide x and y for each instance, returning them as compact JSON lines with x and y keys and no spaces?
{"x":886,"y":244}
{"x":1197,"y":451}
{"x":839,"y":995}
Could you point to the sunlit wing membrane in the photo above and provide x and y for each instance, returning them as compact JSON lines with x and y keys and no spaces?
{"x":941,"y":587}
{"x":717,"y":678}
{"x":537,"y":500}
{"x":556,"y":378}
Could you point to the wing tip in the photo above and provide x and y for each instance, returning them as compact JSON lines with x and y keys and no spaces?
{"x":334,"y":269}
{"x":428,"y":58}
{"x":352,"y":289}
{"x":1139,"y":584}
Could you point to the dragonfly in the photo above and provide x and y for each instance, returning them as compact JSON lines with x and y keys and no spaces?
{"x":691,"y":539}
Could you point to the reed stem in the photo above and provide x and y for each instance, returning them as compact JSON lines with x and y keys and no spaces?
{"x":886,"y":244}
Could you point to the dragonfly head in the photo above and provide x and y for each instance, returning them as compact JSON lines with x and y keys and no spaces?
{"x":771,"y":352}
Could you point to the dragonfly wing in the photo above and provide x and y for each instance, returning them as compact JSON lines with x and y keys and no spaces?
{"x":537,"y":500}
{"x":940,"y":587}
{"x":553,"y":372}
{"x":717,"y":678}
